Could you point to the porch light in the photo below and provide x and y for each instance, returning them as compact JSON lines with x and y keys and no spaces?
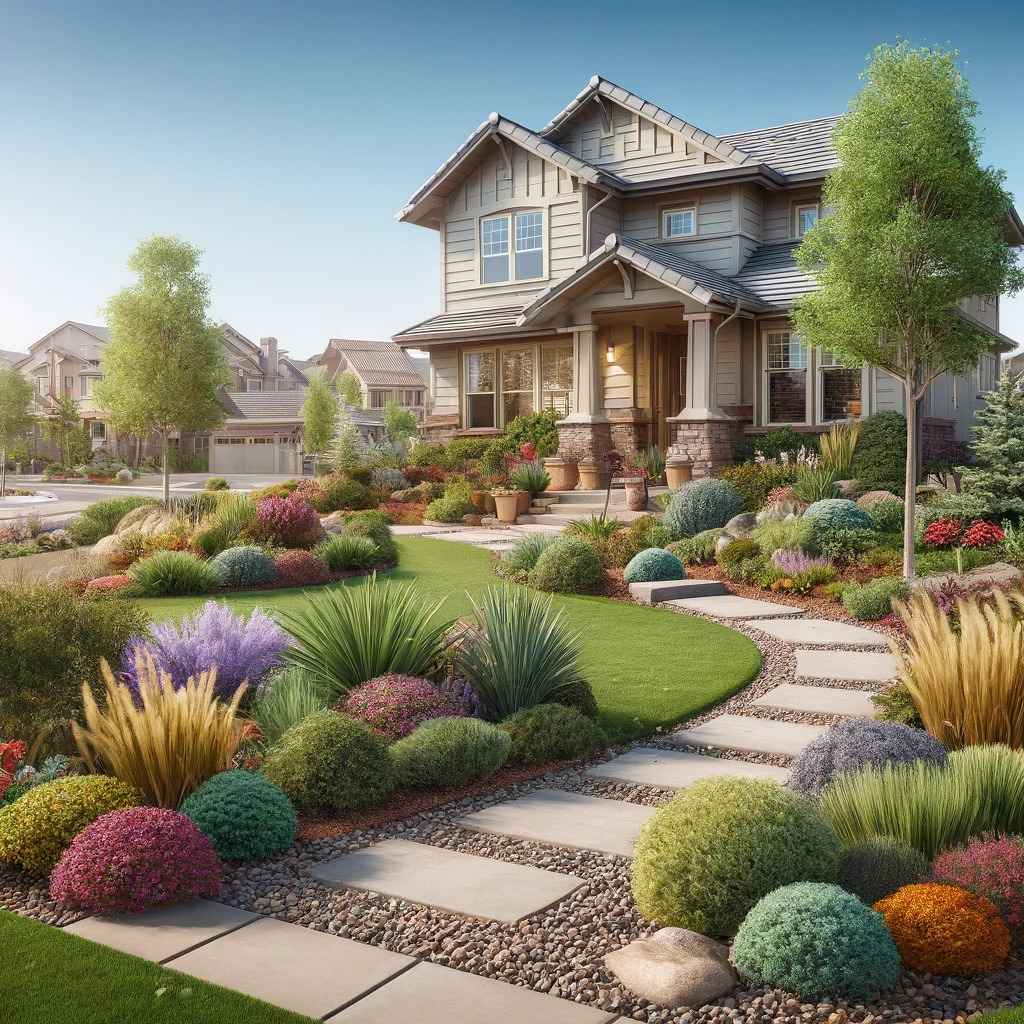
{"x":610,"y":352}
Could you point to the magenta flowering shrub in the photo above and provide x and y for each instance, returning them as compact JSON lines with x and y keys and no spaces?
{"x":991,"y":866}
{"x":393,"y":705}
{"x":287,"y":522}
{"x":793,"y":562}
{"x":243,"y":649}
{"x":133,"y":859}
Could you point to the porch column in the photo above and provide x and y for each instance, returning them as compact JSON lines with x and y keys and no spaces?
{"x":585,"y":433}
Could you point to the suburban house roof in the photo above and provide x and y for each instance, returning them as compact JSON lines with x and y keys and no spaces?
{"x":379,"y":364}
{"x":282,"y":407}
{"x":803,"y":147}
{"x":772,"y":275}
{"x":10,"y":358}
{"x":476,"y":321}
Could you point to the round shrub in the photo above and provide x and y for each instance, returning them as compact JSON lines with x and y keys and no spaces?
{"x":990,"y":867}
{"x":873,"y":600}
{"x":941,"y":929}
{"x":393,"y":705}
{"x":813,"y":939}
{"x":243,"y":814}
{"x":569,"y":566}
{"x":887,"y":515}
{"x":852,"y":745}
{"x":109,"y":584}
{"x":343,"y":552}
{"x":336,"y":491}
{"x":522,"y":557}
{"x":738,"y":551}
{"x":300,"y":569}
{"x":653,"y":564}
{"x":879,"y":866}
{"x":449,"y":752}
{"x":289,"y":522}
{"x":172,"y":573}
{"x":701,"y":505}
{"x":37,"y":828}
{"x":708,"y":855}
{"x":373,"y":524}
{"x":838,"y":514}
{"x":246,"y":566}
{"x":330,"y":763}
{"x":137,"y":858}
{"x":551,"y":732}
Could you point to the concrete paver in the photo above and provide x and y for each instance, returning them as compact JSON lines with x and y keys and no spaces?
{"x":820,"y":700}
{"x":752,"y":735}
{"x":849,"y":666}
{"x":821,"y":631}
{"x":674,"y":769}
{"x":729,"y":606}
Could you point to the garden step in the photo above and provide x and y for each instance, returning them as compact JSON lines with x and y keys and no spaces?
{"x":670,"y":590}
{"x":565,"y":819}
{"x":819,"y":700}
{"x":750,"y":735}
{"x":596,"y":497}
{"x":453,"y":881}
{"x":475,"y":536}
{"x":730,"y":606}
{"x":852,"y":666}
{"x":674,"y":769}
{"x":822,"y":631}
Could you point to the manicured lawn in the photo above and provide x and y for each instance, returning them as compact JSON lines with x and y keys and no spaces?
{"x":648,"y":668}
{"x":50,"y":977}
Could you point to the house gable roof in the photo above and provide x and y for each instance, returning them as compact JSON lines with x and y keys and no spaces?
{"x":378,"y":364}
{"x":772,"y":274}
{"x":800,"y":148}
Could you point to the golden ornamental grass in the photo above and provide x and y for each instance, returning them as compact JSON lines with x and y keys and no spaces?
{"x":168,"y":744}
{"x":837,"y":446}
{"x":968,"y":685}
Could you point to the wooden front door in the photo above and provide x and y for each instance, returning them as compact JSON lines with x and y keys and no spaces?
{"x":669,"y":384}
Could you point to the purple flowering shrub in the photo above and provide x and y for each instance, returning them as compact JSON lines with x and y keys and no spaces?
{"x":137,"y":858}
{"x":989,"y":866}
{"x":393,"y":705}
{"x":287,"y":522}
{"x":792,"y":563}
{"x":243,"y":649}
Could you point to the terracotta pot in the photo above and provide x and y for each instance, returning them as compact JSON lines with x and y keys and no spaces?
{"x":479,"y":500}
{"x":592,"y":476}
{"x":564,"y":474}
{"x":636,"y":493}
{"x":507,"y":506}
{"x":489,"y":506}
{"x":678,"y":473}
{"x":524,"y":501}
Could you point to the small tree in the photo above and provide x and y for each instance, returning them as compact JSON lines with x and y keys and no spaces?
{"x":346,"y":448}
{"x":916,"y":225}
{"x":15,"y":415}
{"x":165,"y":360}
{"x":997,"y":475}
{"x":64,"y":428}
{"x":349,"y":389}
{"x":319,"y":412}
{"x":399,"y":423}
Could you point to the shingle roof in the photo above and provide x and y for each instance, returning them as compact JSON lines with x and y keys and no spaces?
{"x":462,"y":322}
{"x":265,"y":406}
{"x":10,"y":358}
{"x":799,"y":148}
{"x":771,"y":273}
{"x":380,"y":364}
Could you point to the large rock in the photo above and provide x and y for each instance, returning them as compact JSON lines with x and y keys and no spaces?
{"x":741,"y":526}
{"x":779,"y":511}
{"x":334,"y":523}
{"x":846,"y":488}
{"x":148,"y":520}
{"x":999,"y":575}
{"x":674,"y":967}
{"x":872,"y":498}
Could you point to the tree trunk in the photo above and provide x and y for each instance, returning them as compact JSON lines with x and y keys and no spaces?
{"x":3,"y":471}
{"x":166,"y":469}
{"x":910,"y":481}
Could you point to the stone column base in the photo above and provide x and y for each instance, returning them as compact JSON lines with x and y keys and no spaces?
{"x":578,"y":441}
{"x":707,"y":444}
{"x":629,"y":432}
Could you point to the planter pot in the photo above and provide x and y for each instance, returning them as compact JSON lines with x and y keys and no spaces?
{"x":479,"y":500}
{"x":636,"y":493}
{"x":592,"y":476}
{"x":678,"y":473}
{"x":489,"y":506}
{"x":564,"y":474}
{"x":524,"y":500}
{"x":507,"y":506}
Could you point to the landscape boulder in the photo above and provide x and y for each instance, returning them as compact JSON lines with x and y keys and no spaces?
{"x":872,"y":498}
{"x":740,"y":526}
{"x":146,"y":520}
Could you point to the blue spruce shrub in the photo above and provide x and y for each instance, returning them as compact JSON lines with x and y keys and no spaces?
{"x":702,"y":505}
{"x":818,"y":941}
{"x":838,"y":514}
{"x":853,"y":745}
{"x":653,"y":564}
{"x":244,"y":567}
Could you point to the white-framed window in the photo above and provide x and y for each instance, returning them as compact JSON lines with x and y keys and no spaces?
{"x":987,"y":372}
{"x":527,"y":228}
{"x":840,"y":390}
{"x":98,"y":430}
{"x":805,"y":216}
{"x":529,"y":245}
{"x":481,"y":390}
{"x":785,"y":378}
{"x":43,"y":385}
{"x":503,"y":383}
{"x":556,"y":362}
{"x":253,"y":384}
{"x":518,"y":368}
{"x":88,"y":386}
{"x":679,"y":222}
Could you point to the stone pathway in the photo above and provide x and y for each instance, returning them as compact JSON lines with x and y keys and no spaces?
{"x":729,"y":606}
{"x":846,"y":666}
{"x":821,"y":632}
{"x":674,"y":769}
{"x":750,"y":735}
{"x":822,"y":700}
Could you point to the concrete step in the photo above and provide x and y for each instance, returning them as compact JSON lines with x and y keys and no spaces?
{"x":618,"y":496}
{"x":673,"y":590}
{"x":562,"y":518}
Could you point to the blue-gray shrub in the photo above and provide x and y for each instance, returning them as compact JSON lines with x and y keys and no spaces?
{"x":702,"y":505}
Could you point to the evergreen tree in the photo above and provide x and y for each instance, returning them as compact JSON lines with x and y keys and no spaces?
{"x":346,"y":449}
{"x":997,"y":475}
{"x":319,"y":412}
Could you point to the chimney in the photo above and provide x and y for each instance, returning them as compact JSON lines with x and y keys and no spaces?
{"x":269,"y":346}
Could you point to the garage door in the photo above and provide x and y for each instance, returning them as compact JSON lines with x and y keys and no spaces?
{"x":244,"y":455}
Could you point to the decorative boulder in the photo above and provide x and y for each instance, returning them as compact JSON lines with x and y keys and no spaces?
{"x":778,"y":511}
{"x":674,"y":967}
{"x":146,"y":520}
{"x":334,"y":523}
{"x":741,"y":526}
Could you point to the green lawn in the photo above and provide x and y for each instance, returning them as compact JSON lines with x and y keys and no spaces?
{"x":648,"y":668}
{"x":50,"y":977}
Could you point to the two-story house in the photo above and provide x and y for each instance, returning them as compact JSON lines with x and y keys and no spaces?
{"x":385,"y":373}
{"x":637,"y":274}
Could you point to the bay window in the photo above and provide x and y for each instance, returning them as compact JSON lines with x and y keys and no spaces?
{"x":527,"y":229}
{"x":785,"y":378}
{"x":840,"y":388}
{"x":503,"y":383}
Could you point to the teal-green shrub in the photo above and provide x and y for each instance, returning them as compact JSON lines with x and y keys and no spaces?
{"x":721,"y":844}
{"x":169,"y":573}
{"x":343,"y":552}
{"x":818,"y":941}
{"x":552,"y":732}
{"x":887,"y":516}
{"x":331,"y":763}
{"x":101,"y":519}
{"x":873,"y":600}
{"x":449,"y":752}
{"x":243,"y":814}
{"x":375,"y":525}
{"x":879,"y":460}
{"x":877,"y":867}
{"x":701,"y":505}
{"x":569,"y":566}
{"x":652,"y":565}
{"x":247,"y":566}
{"x":837,"y":514}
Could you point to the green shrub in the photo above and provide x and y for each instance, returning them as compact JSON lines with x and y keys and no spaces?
{"x":336,"y":492}
{"x":815,"y":483}
{"x":879,"y":460}
{"x":873,"y":600}
{"x":569,"y":566}
{"x":653,"y":564}
{"x":721,"y":844}
{"x":879,"y":866}
{"x":887,"y":516}
{"x":593,"y":529}
{"x":101,"y":519}
{"x":37,"y":828}
{"x":331,"y":763}
{"x":342,"y":552}
{"x":702,"y":547}
{"x":461,"y":450}
{"x":551,"y":732}
{"x":539,"y":429}
{"x":225,"y":527}
{"x":449,"y":752}
{"x":578,"y":695}
{"x":795,"y":534}
{"x":701,"y":505}
{"x":216,"y":483}
{"x":737,"y":551}
{"x":243,"y":814}
{"x":894,"y":704}
{"x":773,"y":444}
{"x":817,"y":941}
{"x":837,"y":514}
{"x":683,"y":550}
{"x":285,"y":699}
{"x":246,"y":566}
{"x":522,"y":557}
{"x":174,"y":573}
{"x":374,"y":524}
{"x":844,"y":546}
{"x":755,"y":480}
{"x":531,"y":476}
{"x":931,"y":563}
{"x":449,"y":509}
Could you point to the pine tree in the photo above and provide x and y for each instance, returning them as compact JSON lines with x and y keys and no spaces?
{"x":346,"y":448}
{"x":997,"y":476}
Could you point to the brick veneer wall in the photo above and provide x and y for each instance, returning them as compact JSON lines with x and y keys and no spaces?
{"x":578,"y":441}
{"x":707,"y":444}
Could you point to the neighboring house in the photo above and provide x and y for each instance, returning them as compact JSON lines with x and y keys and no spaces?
{"x":636,"y":274}
{"x":1014,"y":365}
{"x":262,"y":367}
{"x":8,"y":359}
{"x":385,"y":373}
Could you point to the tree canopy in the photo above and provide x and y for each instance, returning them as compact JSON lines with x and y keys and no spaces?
{"x":15,"y":414}
{"x":319,"y":412}
{"x":349,"y":389}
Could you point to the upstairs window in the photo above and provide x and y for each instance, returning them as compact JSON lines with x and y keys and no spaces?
{"x":495,"y":233}
{"x":988,"y":372}
{"x":529,"y":245}
{"x":379,"y":399}
{"x":679,"y":223}
{"x":806,"y":216}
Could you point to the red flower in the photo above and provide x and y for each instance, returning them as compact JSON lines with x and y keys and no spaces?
{"x":943,"y":533}
{"x":528,"y":450}
{"x":982,"y":534}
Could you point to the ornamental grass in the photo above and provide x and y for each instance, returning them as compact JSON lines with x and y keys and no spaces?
{"x":967,"y":683}
{"x":164,"y":741}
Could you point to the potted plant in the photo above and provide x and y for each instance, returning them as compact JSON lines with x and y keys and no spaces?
{"x":634,"y":482}
{"x":593,"y":475}
{"x":678,"y":470}
{"x":532,"y":478}
{"x":565,"y":475}
{"x":651,"y":462}
{"x":506,"y":502}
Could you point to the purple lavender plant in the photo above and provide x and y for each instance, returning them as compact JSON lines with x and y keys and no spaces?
{"x":242,"y":649}
{"x":791,"y":562}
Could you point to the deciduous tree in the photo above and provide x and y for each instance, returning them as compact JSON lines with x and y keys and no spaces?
{"x":349,"y":389}
{"x":15,"y":415}
{"x":319,"y":412}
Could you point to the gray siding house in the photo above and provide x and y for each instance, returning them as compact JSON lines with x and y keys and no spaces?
{"x":636,"y":273}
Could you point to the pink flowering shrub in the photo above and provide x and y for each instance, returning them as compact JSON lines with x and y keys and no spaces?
{"x":137,"y":858}
{"x":287,"y":522}
{"x":300,"y":569}
{"x":990,"y":866}
{"x":393,"y":705}
{"x":109,"y":584}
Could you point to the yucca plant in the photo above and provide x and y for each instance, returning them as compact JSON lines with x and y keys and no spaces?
{"x":174,"y":572}
{"x":596,"y":528}
{"x":284,"y":700}
{"x":519,"y":652}
{"x":815,"y":483}
{"x":345,"y":637}
{"x":967,"y":682}
{"x":837,"y":447}
{"x":166,"y":742}
{"x":651,"y":461}
{"x":531,"y":476}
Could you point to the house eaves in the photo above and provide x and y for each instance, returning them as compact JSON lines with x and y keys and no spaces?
{"x":1002,"y":343}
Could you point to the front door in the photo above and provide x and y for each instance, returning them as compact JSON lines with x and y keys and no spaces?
{"x":669,"y":383}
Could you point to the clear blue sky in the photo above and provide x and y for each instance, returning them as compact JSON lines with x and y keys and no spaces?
{"x":281,"y":138}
